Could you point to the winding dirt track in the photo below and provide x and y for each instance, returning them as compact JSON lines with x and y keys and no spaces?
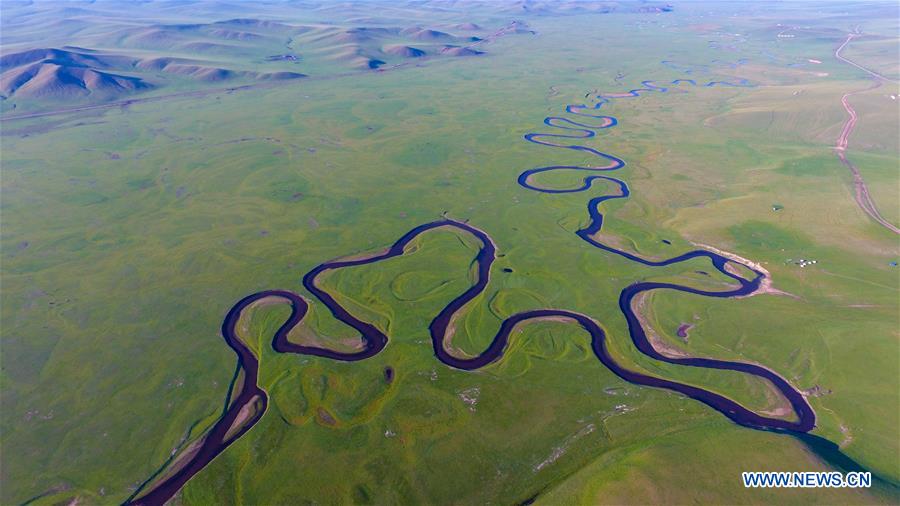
{"x":249,"y":400}
{"x":862,"y":196}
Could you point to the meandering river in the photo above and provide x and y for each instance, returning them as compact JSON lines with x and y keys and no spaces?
{"x":582,"y":122}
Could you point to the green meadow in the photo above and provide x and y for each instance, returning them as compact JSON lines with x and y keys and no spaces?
{"x":128,"y":233}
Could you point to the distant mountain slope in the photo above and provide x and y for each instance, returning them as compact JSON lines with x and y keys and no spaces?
{"x":52,"y":80}
{"x":404,"y":51}
{"x":68,"y":56}
{"x":64,"y":73}
{"x":140,"y":49}
{"x":203,"y":71}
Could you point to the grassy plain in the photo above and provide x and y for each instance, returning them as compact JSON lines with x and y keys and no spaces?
{"x":128,"y":233}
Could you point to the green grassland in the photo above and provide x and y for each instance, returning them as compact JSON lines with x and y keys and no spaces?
{"x":128,"y":233}
{"x":880,"y":53}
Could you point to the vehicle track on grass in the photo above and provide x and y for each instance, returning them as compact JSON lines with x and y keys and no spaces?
{"x":861,"y":190}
